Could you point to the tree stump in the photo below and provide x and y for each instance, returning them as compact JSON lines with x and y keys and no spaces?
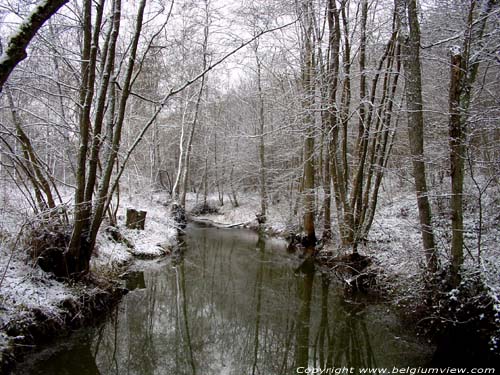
{"x":135,"y":219}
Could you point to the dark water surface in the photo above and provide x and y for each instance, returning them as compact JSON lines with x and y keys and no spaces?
{"x":233,"y":304}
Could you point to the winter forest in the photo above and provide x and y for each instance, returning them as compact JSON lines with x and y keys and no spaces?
{"x":356,"y":142}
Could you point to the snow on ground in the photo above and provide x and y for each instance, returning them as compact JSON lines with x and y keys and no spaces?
{"x":157,"y":238}
{"x":24,"y":287}
{"x":394,"y":242}
{"x":278,"y":215}
{"x":109,"y":256}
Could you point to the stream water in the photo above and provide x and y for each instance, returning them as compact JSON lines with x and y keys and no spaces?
{"x":233,"y":303}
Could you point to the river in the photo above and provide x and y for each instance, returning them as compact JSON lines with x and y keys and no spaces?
{"x":233,"y":303}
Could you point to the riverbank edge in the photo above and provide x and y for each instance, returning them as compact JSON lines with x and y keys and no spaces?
{"x":94,"y":297}
{"x":94,"y":300}
{"x":250,"y":225}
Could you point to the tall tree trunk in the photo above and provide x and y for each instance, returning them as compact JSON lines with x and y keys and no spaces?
{"x":205,"y":180}
{"x":262,"y":150}
{"x":308,"y":102}
{"x":101,"y":97}
{"x":189,"y":146}
{"x":82,"y":209}
{"x":309,"y":196}
{"x":457,"y":157}
{"x":187,"y":161}
{"x":409,"y":38}
{"x":331,"y":117}
{"x":362,"y":140}
{"x":341,"y":172}
{"x":104,"y":194}
{"x":180,"y":162}
{"x":464,"y":67}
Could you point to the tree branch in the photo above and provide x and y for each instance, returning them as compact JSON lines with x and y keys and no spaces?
{"x":18,"y":42}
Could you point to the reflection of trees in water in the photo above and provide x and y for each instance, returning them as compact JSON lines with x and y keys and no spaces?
{"x":304,"y":291}
{"x":133,"y":341}
{"x":182,"y":315}
{"x":273,"y":309}
{"x":345,"y":341}
{"x":77,"y":358}
{"x":228,"y":303}
{"x":339,"y":337}
{"x":261,"y":246}
{"x":324,"y":342}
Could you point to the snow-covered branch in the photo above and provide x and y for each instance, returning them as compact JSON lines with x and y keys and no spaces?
{"x":15,"y":51}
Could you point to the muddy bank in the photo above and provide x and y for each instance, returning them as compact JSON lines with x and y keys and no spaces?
{"x":95,"y":299}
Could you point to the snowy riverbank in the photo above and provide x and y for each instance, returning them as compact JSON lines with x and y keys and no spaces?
{"x":35,"y":306}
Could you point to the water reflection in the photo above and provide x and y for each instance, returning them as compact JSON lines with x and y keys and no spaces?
{"x":135,"y":280}
{"x":261,"y":247}
{"x":75,"y":358}
{"x":304,"y":291}
{"x":231,"y":302}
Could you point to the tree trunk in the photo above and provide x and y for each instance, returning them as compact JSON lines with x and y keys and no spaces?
{"x":187,"y":161}
{"x":262,"y":150}
{"x":457,"y":156}
{"x":308,"y":102}
{"x":101,"y":98}
{"x":464,"y":67}
{"x":105,"y":189}
{"x":232,"y":197}
{"x":309,"y":189}
{"x":78,"y":248}
{"x":409,"y":37}
{"x":330,"y":118}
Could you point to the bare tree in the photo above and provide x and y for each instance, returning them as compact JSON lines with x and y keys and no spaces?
{"x":464,"y":67}
{"x":308,"y":69}
{"x":409,"y":37}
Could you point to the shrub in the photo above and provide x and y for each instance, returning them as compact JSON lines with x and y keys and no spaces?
{"x":204,"y":209}
{"x":47,"y":239}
